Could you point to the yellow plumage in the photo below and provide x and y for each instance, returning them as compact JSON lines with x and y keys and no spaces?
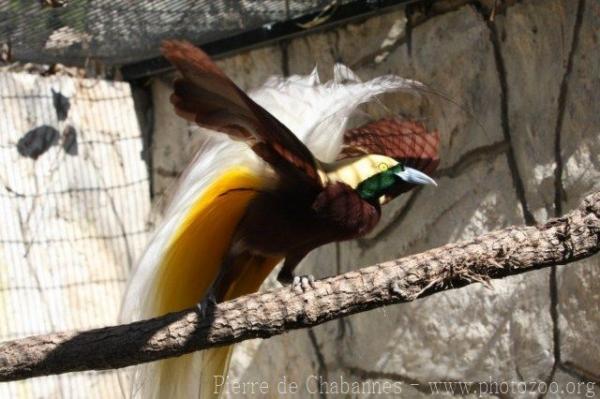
{"x":191,"y":263}
{"x":196,"y":250}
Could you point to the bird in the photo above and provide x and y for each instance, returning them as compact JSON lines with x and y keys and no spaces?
{"x":278,"y":176}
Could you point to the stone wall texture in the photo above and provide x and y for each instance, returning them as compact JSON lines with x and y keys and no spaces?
{"x":516,"y":100}
{"x":74,"y":199}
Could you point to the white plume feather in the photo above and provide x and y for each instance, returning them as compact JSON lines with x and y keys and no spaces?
{"x":317,"y":113}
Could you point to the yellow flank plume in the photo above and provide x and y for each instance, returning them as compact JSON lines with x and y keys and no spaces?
{"x":190,"y":265}
{"x":252,"y":270}
{"x":198,"y":247}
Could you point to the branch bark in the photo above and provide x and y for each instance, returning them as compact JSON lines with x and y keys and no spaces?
{"x":505,"y":252}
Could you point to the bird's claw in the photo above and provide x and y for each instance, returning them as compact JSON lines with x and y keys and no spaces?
{"x":303,"y":283}
{"x":206,"y":304}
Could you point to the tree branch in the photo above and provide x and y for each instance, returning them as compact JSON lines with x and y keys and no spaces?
{"x":505,"y":252}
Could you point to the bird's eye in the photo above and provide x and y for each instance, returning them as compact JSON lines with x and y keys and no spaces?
{"x":383,"y":166}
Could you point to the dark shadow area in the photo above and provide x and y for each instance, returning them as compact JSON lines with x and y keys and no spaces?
{"x":117,"y":346}
{"x":144,"y":111}
{"x":62,"y":105}
{"x":69,"y":140}
{"x":37,"y":141}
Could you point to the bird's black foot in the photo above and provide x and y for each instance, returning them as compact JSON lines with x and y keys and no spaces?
{"x":303,"y":283}
{"x":207,"y":304}
{"x":285,"y":277}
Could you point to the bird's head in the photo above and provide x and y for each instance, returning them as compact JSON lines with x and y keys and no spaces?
{"x":392,"y":179}
{"x":377,"y":178}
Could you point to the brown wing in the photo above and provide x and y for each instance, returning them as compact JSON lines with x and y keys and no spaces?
{"x":406,"y":141}
{"x":206,"y":96}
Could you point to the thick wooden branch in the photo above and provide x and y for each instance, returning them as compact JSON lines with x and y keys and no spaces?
{"x":505,"y":252}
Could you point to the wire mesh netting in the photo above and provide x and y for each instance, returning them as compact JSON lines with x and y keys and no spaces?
{"x":74,"y":200}
{"x":115,"y":32}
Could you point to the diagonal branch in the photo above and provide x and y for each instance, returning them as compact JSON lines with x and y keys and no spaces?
{"x":505,"y":252}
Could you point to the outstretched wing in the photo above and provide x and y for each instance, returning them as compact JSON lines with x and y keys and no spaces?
{"x":406,"y":141}
{"x":206,"y":96}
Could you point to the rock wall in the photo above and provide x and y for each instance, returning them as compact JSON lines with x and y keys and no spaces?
{"x":74,"y":201}
{"x":515,"y":98}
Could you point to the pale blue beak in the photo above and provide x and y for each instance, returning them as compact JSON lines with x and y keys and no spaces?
{"x":414,"y":176}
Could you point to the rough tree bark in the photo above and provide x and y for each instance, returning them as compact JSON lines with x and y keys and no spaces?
{"x":494,"y":255}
